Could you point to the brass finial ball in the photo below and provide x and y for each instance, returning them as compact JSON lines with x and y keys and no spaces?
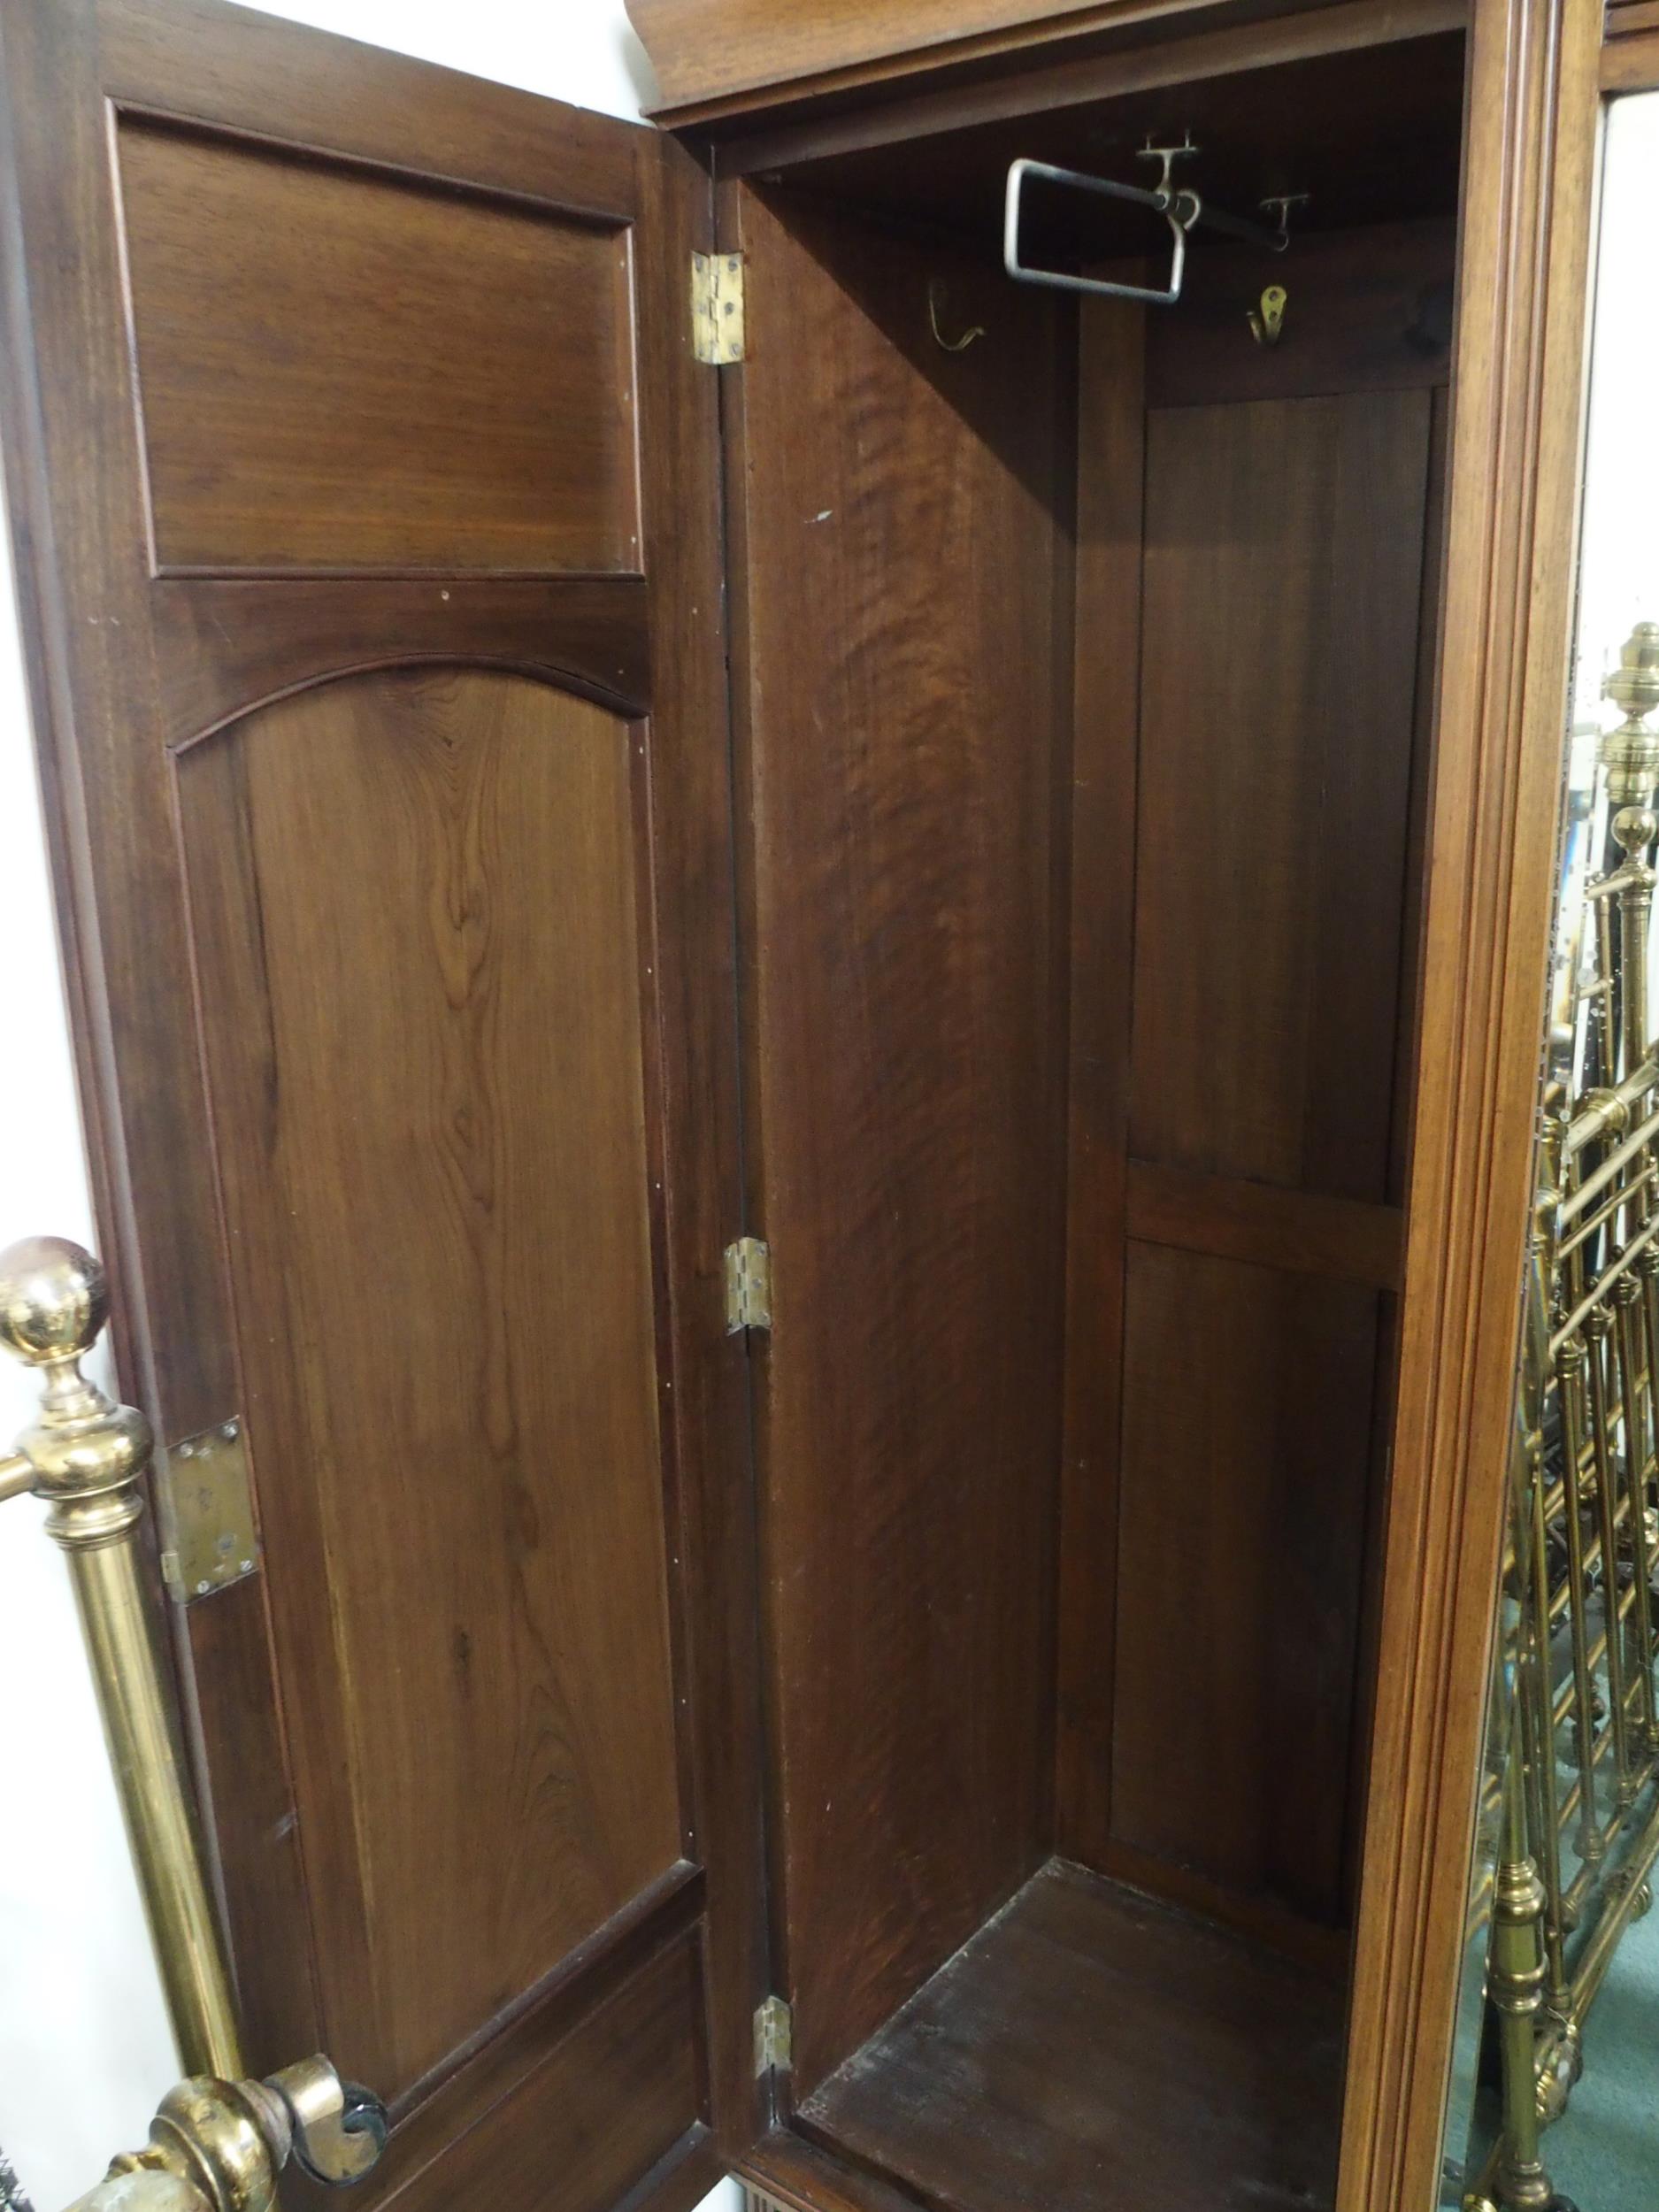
{"x":1634,"y":687}
{"x":53,"y":1300}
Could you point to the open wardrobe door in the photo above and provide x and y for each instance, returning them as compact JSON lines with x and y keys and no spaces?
{"x":364,"y":489}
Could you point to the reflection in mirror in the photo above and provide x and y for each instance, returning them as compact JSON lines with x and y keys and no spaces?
{"x":1555,"y":2098}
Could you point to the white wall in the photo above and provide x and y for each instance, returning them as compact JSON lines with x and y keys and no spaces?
{"x":85,"y":2049}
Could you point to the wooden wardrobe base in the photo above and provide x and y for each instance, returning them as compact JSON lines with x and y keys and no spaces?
{"x":1090,"y":2048}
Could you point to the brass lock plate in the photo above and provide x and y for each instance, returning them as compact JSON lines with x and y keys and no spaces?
{"x":206,"y":1512}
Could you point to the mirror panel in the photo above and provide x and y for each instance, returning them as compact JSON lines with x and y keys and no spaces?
{"x":1551,"y":2102}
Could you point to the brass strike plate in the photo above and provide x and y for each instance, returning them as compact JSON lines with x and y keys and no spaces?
{"x":206,"y":1511}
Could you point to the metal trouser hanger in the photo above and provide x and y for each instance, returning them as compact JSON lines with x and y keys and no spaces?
{"x":1181,"y":207}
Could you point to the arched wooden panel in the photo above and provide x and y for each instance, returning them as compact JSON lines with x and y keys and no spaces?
{"x":423,"y":992}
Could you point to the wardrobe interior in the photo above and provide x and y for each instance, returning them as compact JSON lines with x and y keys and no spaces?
{"x":1084,"y":658}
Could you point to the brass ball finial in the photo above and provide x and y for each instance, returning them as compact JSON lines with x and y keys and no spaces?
{"x":1630,"y":754}
{"x":54,"y":1301}
{"x":1634,"y":687}
{"x":1634,"y":829}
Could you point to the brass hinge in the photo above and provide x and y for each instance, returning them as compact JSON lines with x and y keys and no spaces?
{"x":206,"y":1512}
{"x":716,"y":307}
{"x":775,"y":2037}
{"x":747,"y":1286}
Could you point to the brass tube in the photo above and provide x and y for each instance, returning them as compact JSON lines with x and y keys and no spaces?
{"x":1633,"y":829}
{"x":1570,"y":1383}
{"x":144,"y":1753}
{"x":1516,"y":1982}
{"x":1581,"y":1312}
{"x":86,"y":1456}
{"x":1607,"y":1111}
{"x":1595,"y":1338}
{"x":1538,"y":1733}
{"x":1595,"y":1184}
{"x":1606,"y":1211}
{"x":1627,"y":1353}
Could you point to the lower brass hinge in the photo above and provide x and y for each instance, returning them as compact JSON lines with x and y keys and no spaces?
{"x":716,"y":307}
{"x":206,"y":1512}
{"x":747,"y":1286}
{"x":775,"y":2037}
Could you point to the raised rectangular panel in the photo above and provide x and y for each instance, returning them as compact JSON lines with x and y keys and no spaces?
{"x":340,"y":366}
{"x":1246,"y":1454}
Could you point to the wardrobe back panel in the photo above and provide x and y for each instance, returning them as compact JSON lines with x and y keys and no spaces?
{"x":1284,"y":556}
{"x":1247,"y":1432}
{"x":1219,"y":1502}
{"x":907,"y":557}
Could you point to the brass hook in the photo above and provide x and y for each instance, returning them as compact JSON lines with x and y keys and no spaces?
{"x":1267,"y":321}
{"x":935,"y":301}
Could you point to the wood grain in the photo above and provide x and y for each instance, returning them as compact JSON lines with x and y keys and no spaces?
{"x":1368,"y":310}
{"x":1110,"y":499}
{"x":1630,"y":59}
{"x":129,"y":671}
{"x":1269,"y":882}
{"x":689,"y":758}
{"x":725,"y":63}
{"x":1092,"y":2047}
{"x":1303,"y":1231}
{"x":1245,"y":1452}
{"x":701,"y":52}
{"x":227,"y":644}
{"x":902,"y":698}
{"x":1283,"y":561}
{"x":343,"y":367}
{"x":1359,"y":105}
{"x":413,"y":898}
{"x":570,"y":2132}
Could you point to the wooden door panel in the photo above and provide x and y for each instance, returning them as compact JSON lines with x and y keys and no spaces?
{"x":395,"y":868}
{"x":616,"y":2097}
{"x":420,"y":982}
{"x":348,"y":367}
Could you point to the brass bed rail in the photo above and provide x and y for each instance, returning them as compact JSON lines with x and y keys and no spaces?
{"x":1575,"y":1804}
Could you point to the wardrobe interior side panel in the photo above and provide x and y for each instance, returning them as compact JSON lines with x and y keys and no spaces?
{"x":902,"y":679}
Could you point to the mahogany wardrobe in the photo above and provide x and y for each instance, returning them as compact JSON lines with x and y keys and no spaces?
{"x":806,"y":964}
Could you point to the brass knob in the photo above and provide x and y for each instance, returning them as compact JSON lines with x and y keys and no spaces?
{"x":87,"y":1453}
{"x":53,"y":1300}
{"x":1634,"y":684}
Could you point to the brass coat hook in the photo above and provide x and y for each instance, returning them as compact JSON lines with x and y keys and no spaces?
{"x":935,"y":301}
{"x":1267,"y":317}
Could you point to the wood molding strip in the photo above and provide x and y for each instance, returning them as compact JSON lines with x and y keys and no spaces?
{"x":1175,"y":60}
{"x":1512,"y":530}
{"x":1304,"y":1232}
{"x":1630,"y":59}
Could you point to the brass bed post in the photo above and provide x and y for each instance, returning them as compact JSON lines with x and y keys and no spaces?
{"x":86,"y":1456}
{"x":217,"y":2142}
